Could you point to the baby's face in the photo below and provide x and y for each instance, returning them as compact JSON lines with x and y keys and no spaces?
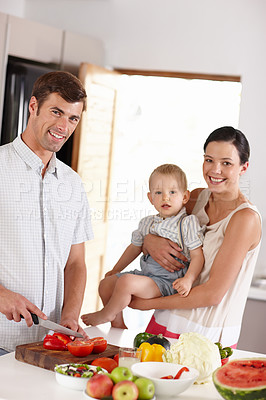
{"x":165,"y":195}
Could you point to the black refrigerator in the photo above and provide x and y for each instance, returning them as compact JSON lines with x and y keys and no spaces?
{"x":20,"y":77}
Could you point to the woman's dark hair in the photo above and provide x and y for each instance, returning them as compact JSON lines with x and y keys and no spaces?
{"x":236,"y":137}
{"x":64,"y":83}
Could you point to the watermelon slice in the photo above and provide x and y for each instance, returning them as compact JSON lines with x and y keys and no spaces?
{"x":243,"y":379}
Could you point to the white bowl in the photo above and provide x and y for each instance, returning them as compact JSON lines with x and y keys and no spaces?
{"x":172,"y":387}
{"x":73,"y":382}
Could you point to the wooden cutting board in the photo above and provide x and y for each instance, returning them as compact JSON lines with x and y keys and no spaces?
{"x":35,"y":354}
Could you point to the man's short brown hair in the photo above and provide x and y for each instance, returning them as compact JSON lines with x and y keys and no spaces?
{"x":68,"y":86}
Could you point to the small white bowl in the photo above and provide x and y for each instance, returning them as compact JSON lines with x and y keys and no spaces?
{"x":73,"y":382}
{"x":172,"y":387}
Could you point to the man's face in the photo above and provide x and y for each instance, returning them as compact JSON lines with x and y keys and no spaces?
{"x":53,"y":123}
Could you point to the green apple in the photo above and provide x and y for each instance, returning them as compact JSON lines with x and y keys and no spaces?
{"x":146,"y":388}
{"x":121,"y":374}
{"x":125,"y":390}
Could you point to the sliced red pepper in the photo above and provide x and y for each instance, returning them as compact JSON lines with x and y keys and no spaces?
{"x":53,"y":343}
{"x":167,"y":377}
{"x":66,"y":339}
{"x":57,"y":341}
{"x":180,"y":372}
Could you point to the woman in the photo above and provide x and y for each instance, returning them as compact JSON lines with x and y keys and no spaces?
{"x":215,"y":306}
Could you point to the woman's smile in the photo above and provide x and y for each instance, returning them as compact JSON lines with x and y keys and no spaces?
{"x":216,"y":181}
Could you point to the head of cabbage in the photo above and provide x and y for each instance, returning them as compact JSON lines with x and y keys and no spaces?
{"x":196,"y":351}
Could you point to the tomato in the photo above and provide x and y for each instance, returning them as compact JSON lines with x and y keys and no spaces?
{"x":105,"y":362}
{"x":80,"y":347}
{"x":116,"y":358}
{"x":100,"y":344}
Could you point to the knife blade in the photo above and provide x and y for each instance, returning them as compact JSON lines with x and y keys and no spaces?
{"x":53,"y":326}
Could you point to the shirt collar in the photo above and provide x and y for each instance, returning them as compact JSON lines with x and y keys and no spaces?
{"x":181,"y":212}
{"x":32,"y":160}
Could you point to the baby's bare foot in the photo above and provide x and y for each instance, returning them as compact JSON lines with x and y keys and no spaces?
{"x":96,"y":318}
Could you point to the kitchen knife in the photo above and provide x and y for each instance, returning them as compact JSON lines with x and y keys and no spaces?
{"x":53,"y":326}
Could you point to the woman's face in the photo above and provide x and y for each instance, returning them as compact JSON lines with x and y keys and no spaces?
{"x":221,"y":167}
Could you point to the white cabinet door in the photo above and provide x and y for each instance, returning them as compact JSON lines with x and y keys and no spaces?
{"x":79,"y":49}
{"x":34,"y":41}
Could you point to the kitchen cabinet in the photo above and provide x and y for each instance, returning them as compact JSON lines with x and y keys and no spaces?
{"x":78,"y":49}
{"x":253,"y":331}
{"x":38,"y":42}
{"x":34,"y":41}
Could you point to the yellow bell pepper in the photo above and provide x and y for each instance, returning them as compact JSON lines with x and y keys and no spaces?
{"x":151,"y":352}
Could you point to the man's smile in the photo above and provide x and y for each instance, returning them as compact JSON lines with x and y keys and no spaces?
{"x":56,"y":135}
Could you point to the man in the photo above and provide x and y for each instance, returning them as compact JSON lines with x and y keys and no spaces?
{"x":45,"y":217}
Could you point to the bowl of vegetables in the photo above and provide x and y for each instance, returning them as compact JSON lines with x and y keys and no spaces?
{"x":169,"y":378}
{"x":76,"y":376}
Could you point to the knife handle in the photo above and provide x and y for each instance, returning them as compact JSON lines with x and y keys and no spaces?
{"x":34,"y":317}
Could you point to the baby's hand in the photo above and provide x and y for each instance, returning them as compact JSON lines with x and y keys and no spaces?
{"x":182,"y":286}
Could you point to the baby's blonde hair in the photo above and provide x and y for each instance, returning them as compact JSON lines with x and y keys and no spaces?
{"x":171,"y":169}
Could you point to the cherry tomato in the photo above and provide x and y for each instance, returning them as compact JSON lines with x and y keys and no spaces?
{"x":80,"y":347}
{"x":116,"y":358}
{"x":100,"y":344}
{"x":105,"y":362}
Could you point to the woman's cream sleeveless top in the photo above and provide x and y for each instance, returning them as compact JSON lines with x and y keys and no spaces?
{"x":222,"y":322}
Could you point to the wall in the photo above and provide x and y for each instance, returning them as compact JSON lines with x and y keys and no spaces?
{"x":204,"y":36}
{"x":13,"y":7}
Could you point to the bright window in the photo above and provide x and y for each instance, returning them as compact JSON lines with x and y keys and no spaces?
{"x":161,"y":120}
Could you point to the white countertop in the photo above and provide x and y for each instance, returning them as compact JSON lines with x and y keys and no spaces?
{"x":21,"y":381}
{"x":257,"y":293}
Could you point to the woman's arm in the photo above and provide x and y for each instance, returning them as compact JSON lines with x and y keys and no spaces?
{"x":242,"y":234}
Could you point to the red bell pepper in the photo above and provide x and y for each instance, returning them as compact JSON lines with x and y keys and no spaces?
{"x":57,"y":341}
{"x":180,"y":372}
{"x":167,"y":377}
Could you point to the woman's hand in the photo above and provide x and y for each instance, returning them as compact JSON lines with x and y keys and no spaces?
{"x":162,"y":251}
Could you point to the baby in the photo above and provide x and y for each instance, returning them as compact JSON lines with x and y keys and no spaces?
{"x":168,"y":194}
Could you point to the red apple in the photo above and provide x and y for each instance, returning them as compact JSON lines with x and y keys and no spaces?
{"x":125,"y":390}
{"x":99,"y":386}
